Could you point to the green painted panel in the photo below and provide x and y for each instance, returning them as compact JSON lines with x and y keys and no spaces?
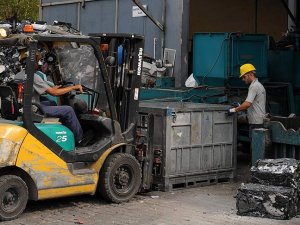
{"x":59,"y":133}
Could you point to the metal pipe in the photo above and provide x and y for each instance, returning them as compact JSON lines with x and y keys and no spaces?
{"x":163,"y":19}
{"x":65,"y":2}
{"x":154,"y":47}
{"x":78,"y":15}
{"x":117,"y":16}
{"x":40,"y":11}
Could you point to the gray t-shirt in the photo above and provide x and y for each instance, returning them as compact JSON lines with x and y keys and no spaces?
{"x":257,"y":96}
{"x":39,"y":86}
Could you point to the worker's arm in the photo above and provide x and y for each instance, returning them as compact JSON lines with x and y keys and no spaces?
{"x":55,"y":91}
{"x":244,"y":106}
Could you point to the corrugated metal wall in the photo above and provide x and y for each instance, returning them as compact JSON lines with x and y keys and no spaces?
{"x":97,"y":16}
{"x":92,"y":16}
{"x":182,"y":18}
{"x":142,"y":25}
{"x":100,"y":16}
{"x":67,"y":13}
{"x":111,"y":16}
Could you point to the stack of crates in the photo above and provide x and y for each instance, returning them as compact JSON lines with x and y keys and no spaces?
{"x":273,"y":191}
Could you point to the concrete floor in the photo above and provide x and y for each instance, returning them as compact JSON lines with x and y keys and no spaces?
{"x":203,"y":205}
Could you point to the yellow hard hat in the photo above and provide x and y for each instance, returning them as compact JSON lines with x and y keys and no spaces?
{"x":246,"y":68}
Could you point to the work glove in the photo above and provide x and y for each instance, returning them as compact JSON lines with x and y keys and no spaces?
{"x":230,"y":111}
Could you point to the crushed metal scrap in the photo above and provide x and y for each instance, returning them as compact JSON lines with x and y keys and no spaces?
{"x":267,"y":201}
{"x":278,"y":172}
{"x":274,"y":191}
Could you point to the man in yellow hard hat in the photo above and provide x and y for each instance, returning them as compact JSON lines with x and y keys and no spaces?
{"x":255,"y":103}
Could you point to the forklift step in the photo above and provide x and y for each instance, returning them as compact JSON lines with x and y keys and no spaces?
{"x":83,"y":171}
{"x":80,"y":168}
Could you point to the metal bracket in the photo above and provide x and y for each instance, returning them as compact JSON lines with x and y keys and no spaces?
{"x":148,"y":14}
{"x":285,"y":5}
{"x":83,"y":4}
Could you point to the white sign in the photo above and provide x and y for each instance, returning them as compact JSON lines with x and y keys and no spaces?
{"x":137,"y":12}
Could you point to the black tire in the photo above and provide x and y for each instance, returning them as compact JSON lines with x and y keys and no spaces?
{"x":120,"y":178}
{"x":13,"y":197}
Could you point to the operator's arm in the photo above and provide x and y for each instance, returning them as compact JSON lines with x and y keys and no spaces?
{"x":60,"y":91}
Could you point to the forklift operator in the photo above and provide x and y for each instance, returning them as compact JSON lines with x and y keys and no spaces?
{"x":255,"y":102}
{"x":64,"y":112}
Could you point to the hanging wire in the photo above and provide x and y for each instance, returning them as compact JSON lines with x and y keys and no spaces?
{"x":214,"y":64}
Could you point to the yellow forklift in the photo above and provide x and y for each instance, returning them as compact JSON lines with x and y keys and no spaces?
{"x":39,"y":158}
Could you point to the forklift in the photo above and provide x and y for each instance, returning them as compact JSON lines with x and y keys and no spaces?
{"x":39,"y":158}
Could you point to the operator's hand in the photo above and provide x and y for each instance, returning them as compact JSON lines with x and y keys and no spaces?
{"x":79,"y":88}
{"x":231,"y":111}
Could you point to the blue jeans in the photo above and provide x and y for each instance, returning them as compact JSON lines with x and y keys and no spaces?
{"x":67,"y":116}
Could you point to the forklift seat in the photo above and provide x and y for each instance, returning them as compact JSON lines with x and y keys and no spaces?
{"x":105,"y":132}
{"x":103,"y":126}
{"x":9,"y":104}
{"x":10,"y":108}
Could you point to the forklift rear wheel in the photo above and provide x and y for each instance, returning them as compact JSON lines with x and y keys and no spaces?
{"x":120,"y":178}
{"x":13,"y":197}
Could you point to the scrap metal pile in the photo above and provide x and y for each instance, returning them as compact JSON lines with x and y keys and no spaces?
{"x":274,"y":191}
{"x":10,"y":63}
{"x":13,"y":38}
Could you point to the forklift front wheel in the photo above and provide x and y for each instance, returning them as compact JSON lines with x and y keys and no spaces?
{"x":13,"y":197}
{"x":120,"y":178}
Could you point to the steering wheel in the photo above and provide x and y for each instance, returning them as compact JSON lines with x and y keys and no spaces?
{"x":93,"y":93}
{"x":85,"y":88}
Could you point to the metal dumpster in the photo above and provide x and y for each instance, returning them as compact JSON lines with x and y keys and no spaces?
{"x":192,"y":143}
{"x":280,"y":139}
{"x":217,"y":57}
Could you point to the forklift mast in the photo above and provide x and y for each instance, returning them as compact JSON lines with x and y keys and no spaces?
{"x":124,"y":57}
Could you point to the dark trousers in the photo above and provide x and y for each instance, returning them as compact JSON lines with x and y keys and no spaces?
{"x":67,"y":116}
